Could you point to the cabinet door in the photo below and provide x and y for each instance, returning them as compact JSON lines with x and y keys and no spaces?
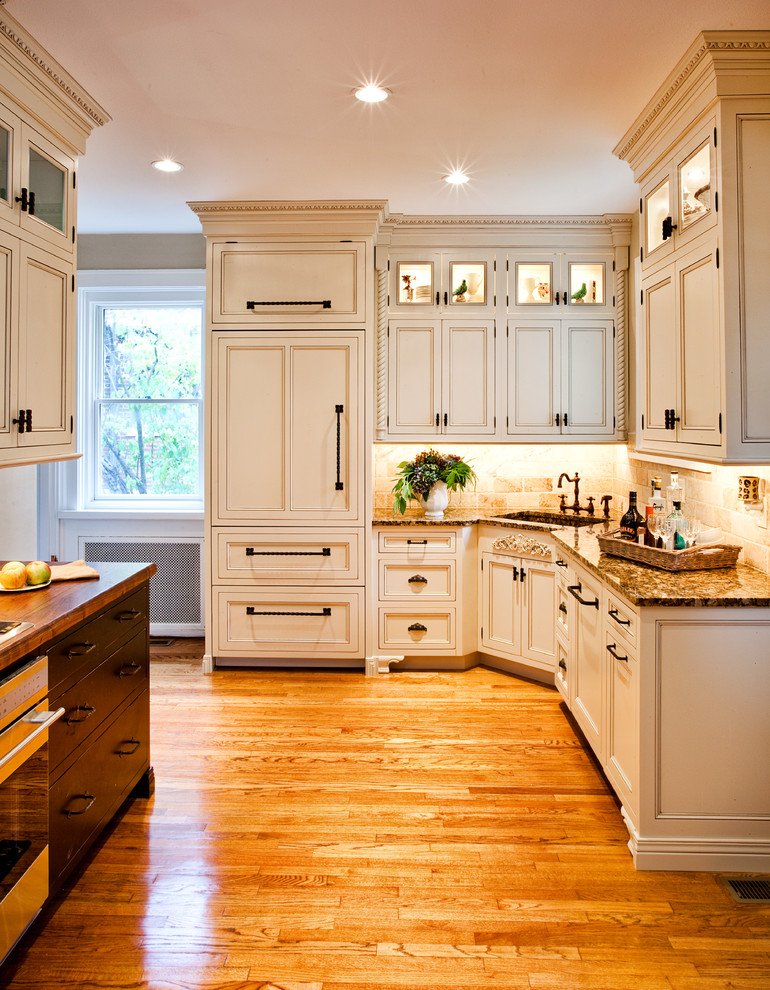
{"x":287,"y":422}
{"x":414,"y":377}
{"x":46,"y":350}
{"x":660,"y":355}
{"x":533,"y":375}
{"x":699,"y":403}
{"x":589,"y":666}
{"x":47,"y":173}
{"x":587,"y":385}
{"x":10,"y":164}
{"x":622,"y":760}
{"x":538,"y":613}
{"x":500,"y":621}
{"x":468,"y":377}
{"x":9,"y":261}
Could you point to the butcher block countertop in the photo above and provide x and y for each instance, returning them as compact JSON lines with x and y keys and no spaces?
{"x":63,"y":605}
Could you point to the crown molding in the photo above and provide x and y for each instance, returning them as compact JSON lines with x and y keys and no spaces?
{"x":33,"y":58}
{"x":280,"y":207}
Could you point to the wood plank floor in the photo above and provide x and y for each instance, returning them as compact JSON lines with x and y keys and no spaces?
{"x":327,"y":831}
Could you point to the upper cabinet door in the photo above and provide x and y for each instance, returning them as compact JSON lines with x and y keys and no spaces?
{"x":534,"y":377}
{"x":588,"y":379}
{"x":443,"y":282}
{"x":556,"y":283}
{"x":256,"y":282}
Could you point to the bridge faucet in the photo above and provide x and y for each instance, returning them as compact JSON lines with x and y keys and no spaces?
{"x":576,"y":506}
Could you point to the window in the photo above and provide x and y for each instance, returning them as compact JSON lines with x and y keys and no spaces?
{"x":141,"y":394}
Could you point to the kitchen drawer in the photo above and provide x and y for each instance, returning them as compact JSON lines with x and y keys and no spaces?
{"x":621,"y":618}
{"x":564,"y":603}
{"x":416,"y":630}
{"x":562,"y":667}
{"x":84,"y":648}
{"x":288,"y":622}
{"x":279,"y":556}
{"x":288,"y":282}
{"x":92,"y":789}
{"x":416,"y":544}
{"x":434,"y":580}
{"x":95,"y":696}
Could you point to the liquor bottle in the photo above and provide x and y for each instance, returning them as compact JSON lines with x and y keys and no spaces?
{"x":648,"y":538}
{"x":656,"y":498}
{"x":681,"y":523}
{"x":630,"y":520}
{"x":675,"y":491}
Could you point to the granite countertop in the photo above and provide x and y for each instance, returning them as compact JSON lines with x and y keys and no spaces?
{"x":726,"y":587}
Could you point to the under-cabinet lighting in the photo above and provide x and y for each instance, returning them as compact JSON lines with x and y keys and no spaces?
{"x":371,"y":93}
{"x":167,"y":165}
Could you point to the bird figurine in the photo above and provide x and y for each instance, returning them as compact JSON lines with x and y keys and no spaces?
{"x":461,"y":289}
{"x":578,"y":296}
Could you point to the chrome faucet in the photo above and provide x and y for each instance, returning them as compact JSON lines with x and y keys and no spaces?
{"x":576,"y":506}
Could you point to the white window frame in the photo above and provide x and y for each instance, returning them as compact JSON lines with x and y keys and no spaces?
{"x":98,"y":290}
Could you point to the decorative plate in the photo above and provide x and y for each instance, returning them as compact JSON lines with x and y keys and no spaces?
{"x":27,"y":587}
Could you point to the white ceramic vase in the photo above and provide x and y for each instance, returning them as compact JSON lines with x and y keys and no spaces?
{"x":437,"y":501}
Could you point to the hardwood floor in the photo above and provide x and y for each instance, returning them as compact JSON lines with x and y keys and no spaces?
{"x":327,"y":831}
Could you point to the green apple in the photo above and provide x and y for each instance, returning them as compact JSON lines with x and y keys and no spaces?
{"x":13,"y":575}
{"x":38,"y":572}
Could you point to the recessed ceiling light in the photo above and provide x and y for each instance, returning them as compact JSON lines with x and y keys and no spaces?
{"x":456,"y":177}
{"x":371,"y":93}
{"x":167,"y":165}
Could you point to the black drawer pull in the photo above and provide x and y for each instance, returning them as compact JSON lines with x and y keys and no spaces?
{"x":563,"y":665}
{"x":250,"y":610}
{"x":616,"y":616}
{"x":129,"y":615}
{"x":611,"y":650}
{"x":575,"y":589}
{"x":325,"y":303}
{"x":131,"y":742}
{"x":88,"y":709}
{"x":417,"y":579}
{"x":417,"y":627}
{"x":416,"y":542}
{"x":88,"y":798}
{"x":323,"y":552}
{"x":80,"y":649}
{"x":129,"y":669}
{"x":562,"y":607}
{"x":561,"y":563}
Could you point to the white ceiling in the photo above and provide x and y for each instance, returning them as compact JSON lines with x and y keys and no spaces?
{"x":254,"y":97}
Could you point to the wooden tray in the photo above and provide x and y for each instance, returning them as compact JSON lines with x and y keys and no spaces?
{"x":692,"y":559}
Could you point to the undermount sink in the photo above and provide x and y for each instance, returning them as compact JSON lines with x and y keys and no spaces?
{"x":550,"y":518}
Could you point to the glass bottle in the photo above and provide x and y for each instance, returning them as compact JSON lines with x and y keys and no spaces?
{"x":630,"y":520}
{"x":648,"y":537}
{"x":656,"y":498}
{"x":675,"y":491}
{"x":680,"y":522}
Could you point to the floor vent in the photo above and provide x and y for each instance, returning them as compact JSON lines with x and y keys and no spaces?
{"x":160,"y":641}
{"x":748,"y":890}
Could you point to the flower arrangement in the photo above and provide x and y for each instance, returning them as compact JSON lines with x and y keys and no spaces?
{"x":417,"y":477}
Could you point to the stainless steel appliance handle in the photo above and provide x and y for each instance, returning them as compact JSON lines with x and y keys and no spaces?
{"x":48,"y":719}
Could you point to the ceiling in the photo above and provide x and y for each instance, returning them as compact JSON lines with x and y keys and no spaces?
{"x":254,"y":97}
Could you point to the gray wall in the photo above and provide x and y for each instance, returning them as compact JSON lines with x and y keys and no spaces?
{"x":113,"y":251}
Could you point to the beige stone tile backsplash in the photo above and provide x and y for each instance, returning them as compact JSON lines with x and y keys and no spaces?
{"x":518,"y":476}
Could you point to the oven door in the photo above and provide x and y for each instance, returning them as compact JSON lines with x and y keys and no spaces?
{"x":23,"y":821}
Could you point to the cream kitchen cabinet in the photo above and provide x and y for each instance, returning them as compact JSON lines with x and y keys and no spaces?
{"x":443,"y":282}
{"x":588,"y":674}
{"x":560,"y":378}
{"x":441,"y":378}
{"x":320,"y":281}
{"x":681,"y":394}
{"x":517,"y":601}
{"x":286,"y":427}
{"x":37,"y":363}
{"x":551,"y":282}
{"x":704,"y":253}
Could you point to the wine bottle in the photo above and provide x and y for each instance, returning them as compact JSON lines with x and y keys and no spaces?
{"x":630,"y":520}
{"x":648,"y":539}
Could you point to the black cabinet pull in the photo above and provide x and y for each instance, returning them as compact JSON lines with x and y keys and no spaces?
{"x":250,"y":610}
{"x":339,"y":410}
{"x":129,"y":669}
{"x":558,"y":417}
{"x":446,"y":418}
{"x":561,"y":563}
{"x":417,"y":627}
{"x":130,"y":752}
{"x":88,"y":709}
{"x":129,"y":615}
{"x":417,"y":579}
{"x":667,"y":228}
{"x":565,"y":298}
{"x":616,"y":616}
{"x":566,"y":423}
{"x":562,"y":607}
{"x":80,"y":649}
{"x":563,"y":665}
{"x":523,"y":575}
{"x":417,"y":542}
{"x":23,"y":199}
{"x":515,"y":573}
{"x":613,"y":652}
{"x":88,"y":798}
{"x":323,"y":552}
{"x":575,"y":589}
{"x":446,"y":298}
{"x":438,"y":419}
{"x":556,"y":297}
{"x":438,"y":297}
{"x":253,"y":303}
{"x":24,"y":421}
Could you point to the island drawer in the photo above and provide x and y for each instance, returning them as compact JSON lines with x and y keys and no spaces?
{"x":621,"y":618}
{"x":433,"y":580}
{"x":415,"y":544}
{"x":410,"y":631}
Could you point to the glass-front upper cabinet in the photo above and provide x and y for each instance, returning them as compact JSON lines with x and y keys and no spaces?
{"x":679,"y":201}
{"x":441,"y":282}
{"x":37,"y":190}
{"x":563,"y":280}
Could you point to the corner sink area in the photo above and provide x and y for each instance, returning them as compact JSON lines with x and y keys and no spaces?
{"x":551,"y":518}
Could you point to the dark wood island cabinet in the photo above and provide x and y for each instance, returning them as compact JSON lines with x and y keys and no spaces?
{"x":95,"y":633}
